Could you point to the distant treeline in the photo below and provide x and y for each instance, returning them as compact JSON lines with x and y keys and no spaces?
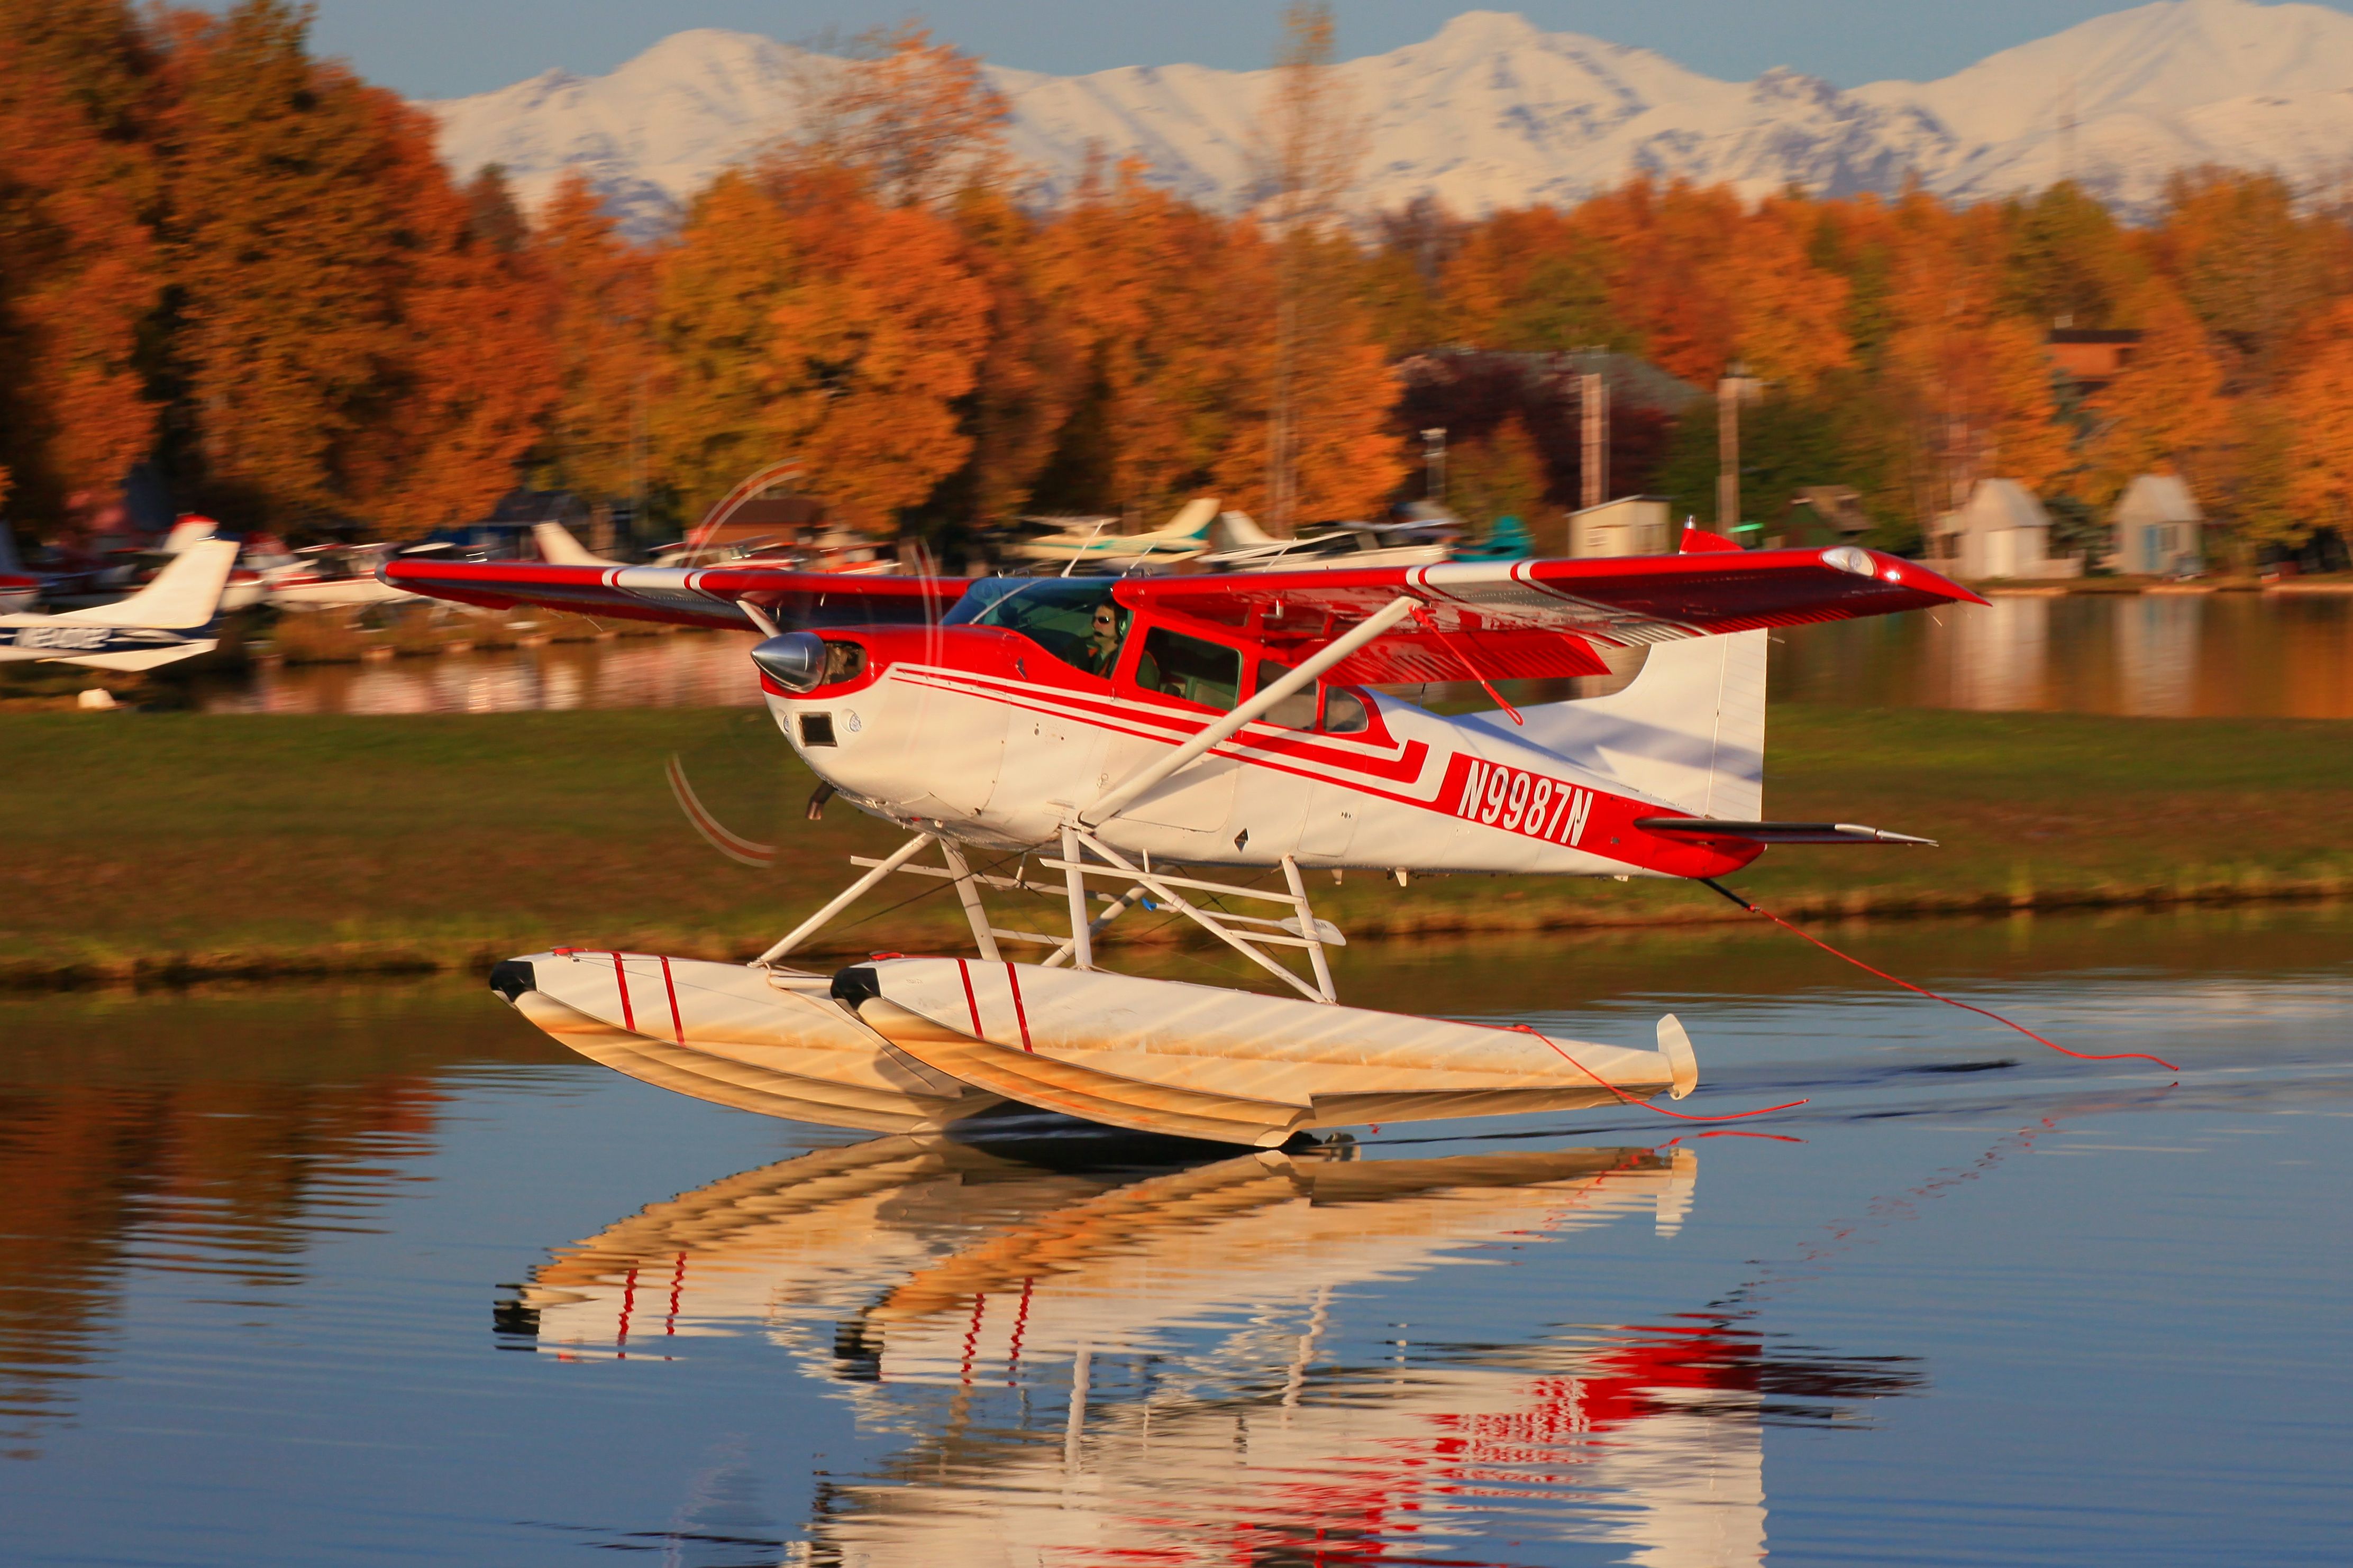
{"x":247,"y":266}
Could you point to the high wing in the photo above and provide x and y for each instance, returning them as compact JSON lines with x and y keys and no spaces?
{"x":684,"y":595}
{"x":1527,"y":619}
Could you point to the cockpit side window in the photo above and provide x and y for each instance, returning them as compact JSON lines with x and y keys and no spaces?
{"x":1075,"y":619}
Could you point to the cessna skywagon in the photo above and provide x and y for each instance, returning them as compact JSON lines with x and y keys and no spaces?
{"x":170,"y":618}
{"x":1107,"y":738}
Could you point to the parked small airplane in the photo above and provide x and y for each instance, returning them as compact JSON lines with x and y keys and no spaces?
{"x":170,"y":618}
{"x":1109,"y":729}
{"x":1183,"y":535}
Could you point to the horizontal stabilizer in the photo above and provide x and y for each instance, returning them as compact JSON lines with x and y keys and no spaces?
{"x":1774,"y":832}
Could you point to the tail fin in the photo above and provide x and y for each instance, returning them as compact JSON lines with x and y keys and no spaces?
{"x":1690,"y":731}
{"x":558,"y":548}
{"x":190,"y":531}
{"x":1192,"y":520}
{"x":185,"y":595}
{"x":1242,"y":531}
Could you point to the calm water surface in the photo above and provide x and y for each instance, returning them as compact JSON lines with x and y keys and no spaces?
{"x":353,"y":1276}
{"x":2170,"y":655}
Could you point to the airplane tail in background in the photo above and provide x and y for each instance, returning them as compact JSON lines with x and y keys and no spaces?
{"x":1689,"y":731}
{"x":558,"y":548}
{"x":1192,"y":520}
{"x":185,"y":595}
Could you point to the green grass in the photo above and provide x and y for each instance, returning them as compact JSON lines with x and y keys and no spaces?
{"x":163,"y":842}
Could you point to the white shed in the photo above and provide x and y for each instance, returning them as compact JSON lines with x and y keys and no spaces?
{"x":2158,"y":527}
{"x":2001,"y":532}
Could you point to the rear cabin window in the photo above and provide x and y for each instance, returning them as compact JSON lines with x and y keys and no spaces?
{"x":1296,"y":711}
{"x":1344,"y":711}
{"x":1196,"y":669}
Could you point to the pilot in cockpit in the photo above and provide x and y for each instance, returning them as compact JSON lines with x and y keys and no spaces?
{"x":1103,"y":643}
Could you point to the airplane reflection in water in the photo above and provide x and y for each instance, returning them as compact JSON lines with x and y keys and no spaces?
{"x":1217,"y":1408}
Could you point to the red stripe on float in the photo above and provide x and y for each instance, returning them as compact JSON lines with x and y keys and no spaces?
{"x":1019,"y":1015}
{"x":677,"y":1024}
{"x":970,"y":1000}
{"x":621,"y":977}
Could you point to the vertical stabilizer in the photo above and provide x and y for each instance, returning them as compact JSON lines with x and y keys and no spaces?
{"x":185,"y":595}
{"x":1690,"y":731}
{"x":558,"y":548}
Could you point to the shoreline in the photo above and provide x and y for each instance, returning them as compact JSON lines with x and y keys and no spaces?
{"x":393,"y":957}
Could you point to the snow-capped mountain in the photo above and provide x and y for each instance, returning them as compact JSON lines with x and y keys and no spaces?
{"x":1495,"y":113}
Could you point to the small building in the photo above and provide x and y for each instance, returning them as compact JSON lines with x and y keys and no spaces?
{"x":2090,"y":357}
{"x":2001,"y":532}
{"x":2160,"y":530}
{"x":1631,"y":525}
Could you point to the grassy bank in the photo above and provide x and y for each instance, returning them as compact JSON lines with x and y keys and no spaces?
{"x":183,"y":844}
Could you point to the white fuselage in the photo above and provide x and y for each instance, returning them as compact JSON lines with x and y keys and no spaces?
{"x":1003,"y":762}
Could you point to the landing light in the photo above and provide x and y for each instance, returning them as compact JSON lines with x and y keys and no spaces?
{"x":796,"y":660}
{"x":1848,"y":557}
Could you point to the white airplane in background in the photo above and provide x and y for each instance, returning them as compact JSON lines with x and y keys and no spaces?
{"x":1186,"y":534}
{"x":171,"y":619}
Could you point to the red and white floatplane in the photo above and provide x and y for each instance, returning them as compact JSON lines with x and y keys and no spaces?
{"x":1124,"y":742}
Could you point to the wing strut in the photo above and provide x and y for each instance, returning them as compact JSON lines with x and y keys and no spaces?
{"x":1119,"y":797}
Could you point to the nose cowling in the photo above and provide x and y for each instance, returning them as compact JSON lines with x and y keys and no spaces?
{"x":794,"y":660}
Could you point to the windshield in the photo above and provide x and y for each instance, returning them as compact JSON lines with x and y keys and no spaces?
{"x":1073,"y":618}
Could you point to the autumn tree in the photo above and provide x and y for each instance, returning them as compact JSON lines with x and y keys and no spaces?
{"x":2317,"y":459}
{"x":1532,"y":281}
{"x":2069,"y":262}
{"x":917,"y":120}
{"x":1031,"y":374}
{"x":1170,"y":319}
{"x":598,"y":297}
{"x":1975,"y":381}
{"x":2252,"y":268}
{"x":799,"y":318}
{"x":462,"y":397}
{"x":1318,"y":425}
{"x":2164,"y":411}
{"x":1496,"y":475}
{"x":80,"y":278}
{"x":1789,"y":316}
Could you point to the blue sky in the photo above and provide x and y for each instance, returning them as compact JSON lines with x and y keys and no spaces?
{"x":435,"y":49}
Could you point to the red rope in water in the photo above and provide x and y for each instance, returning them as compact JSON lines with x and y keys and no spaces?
{"x":1630,"y":1099}
{"x":1947,"y":1001}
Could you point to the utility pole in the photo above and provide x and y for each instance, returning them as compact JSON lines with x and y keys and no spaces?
{"x":1727,"y":451}
{"x":1433,"y":458}
{"x":1593,"y":405}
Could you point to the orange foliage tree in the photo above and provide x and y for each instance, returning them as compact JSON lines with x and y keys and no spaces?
{"x":2319,"y":451}
{"x":79,"y":273}
{"x":799,"y":317}
{"x":2165,"y":410}
{"x":599,"y":298}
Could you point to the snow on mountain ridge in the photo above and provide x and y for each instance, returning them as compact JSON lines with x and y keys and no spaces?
{"x":1493,"y":111}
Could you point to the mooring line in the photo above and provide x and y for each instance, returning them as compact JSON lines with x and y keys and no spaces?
{"x":1933,"y":996}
